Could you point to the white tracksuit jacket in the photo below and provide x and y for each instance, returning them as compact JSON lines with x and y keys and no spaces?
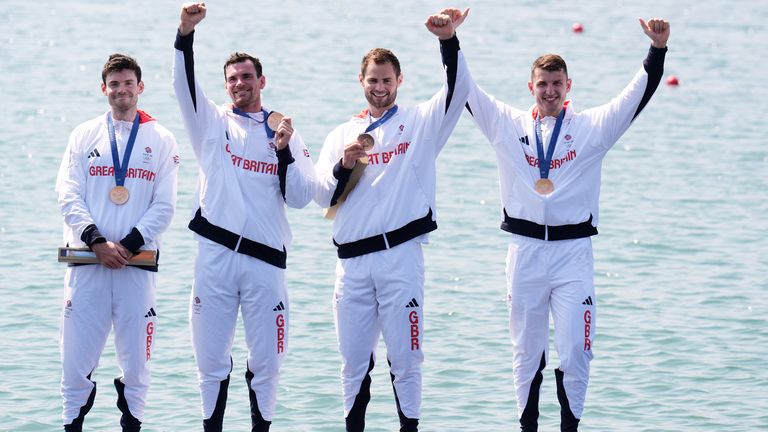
{"x":398,"y":185}
{"x":86,"y":176}
{"x":239,"y":187}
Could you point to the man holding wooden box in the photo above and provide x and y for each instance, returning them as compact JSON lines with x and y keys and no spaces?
{"x":117,"y":193}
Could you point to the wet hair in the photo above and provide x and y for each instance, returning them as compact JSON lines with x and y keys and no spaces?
{"x":239,"y":57}
{"x":550,"y":63}
{"x":119,"y":62}
{"x":380,"y":56}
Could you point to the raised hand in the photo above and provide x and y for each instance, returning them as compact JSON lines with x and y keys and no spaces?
{"x":457,"y":16}
{"x":444,"y":24}
{"x":657,"y":30}
{"x":191,"y":15}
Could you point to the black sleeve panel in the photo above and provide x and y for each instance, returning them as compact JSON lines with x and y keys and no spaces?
{"x":654,"y":66}
{"x":284,"y":158}
{"x":342,"y":175}
{"x":184,"y":44}
{"x":449,"y":50}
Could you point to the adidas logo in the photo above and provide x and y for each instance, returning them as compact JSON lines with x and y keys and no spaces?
{"x":151,"y":313}
{"x":94,"y":153}
{"x":588,"y":301}
{"x":279,"y":307}
{"x":412,"y":304}
{"x":525,"y":141}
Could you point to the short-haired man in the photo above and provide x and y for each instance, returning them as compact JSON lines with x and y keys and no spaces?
{"x":380,"y":227}
{"x":117,"y":192}
{"x":249,"y":170}
{"x":549,"y":160}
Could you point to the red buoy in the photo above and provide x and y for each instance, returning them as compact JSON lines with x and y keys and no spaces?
{"x":672,"y":80}
{"x":577,"y":28}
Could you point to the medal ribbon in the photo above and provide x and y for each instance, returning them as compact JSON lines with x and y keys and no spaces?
{"x":270,"y":132}
{"x":544,"y":162}
{"x":382,"y":120}
{"x":121,"y":170}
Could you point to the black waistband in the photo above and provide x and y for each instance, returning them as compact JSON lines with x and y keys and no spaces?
{"x":548,"y":232}
{"x":228,"y":239}
{"x":387,"y":240}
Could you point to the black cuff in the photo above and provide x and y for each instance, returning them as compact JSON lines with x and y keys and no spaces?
{"x":133,"y":241}
{"x":654,"y":61}
{"x":654,"y":67}
{"x":184,"y":43}
{"x":284,"y":156}
{"x":450,"y":44}
{"x":92,"y":236}
{"x":341,"y":173}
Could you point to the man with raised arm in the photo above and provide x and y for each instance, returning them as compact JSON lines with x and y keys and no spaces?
{"x":252,"y":164}
{"x":117,"y":192}
{"x":549,"y":160}
{"x":380,"y":227}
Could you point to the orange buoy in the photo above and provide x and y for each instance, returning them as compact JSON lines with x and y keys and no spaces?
{"x":673,"y":81}
{"x":577,"y":28}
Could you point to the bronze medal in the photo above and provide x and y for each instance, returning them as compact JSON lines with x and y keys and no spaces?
{"x":119,"y":195}
{"x":366,"y":140}
{"x":544,"y":186}
{"x":273,"y":121}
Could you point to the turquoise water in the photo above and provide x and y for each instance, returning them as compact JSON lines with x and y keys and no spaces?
{"x":680,"y":261}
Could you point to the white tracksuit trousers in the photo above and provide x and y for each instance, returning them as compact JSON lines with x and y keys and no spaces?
{"x":225,"y":281}
{"x":557,"y":277}
{"x":382,"y":293}
{"x":97,"y":299}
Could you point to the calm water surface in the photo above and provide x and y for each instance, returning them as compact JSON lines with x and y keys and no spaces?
{"x":680,"y":261}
